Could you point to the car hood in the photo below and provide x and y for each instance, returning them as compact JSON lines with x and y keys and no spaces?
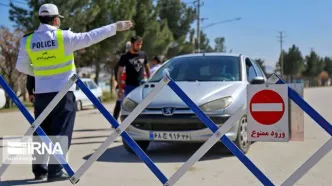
{"x":199,"y":92}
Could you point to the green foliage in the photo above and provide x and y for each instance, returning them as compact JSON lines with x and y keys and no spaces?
{"x":314,"y":64}
{"x":144,"y":16}
{"x":179,"y":19}
{"x":204,"y":43}
{"x":157,"y":38}
{"x":328,"y":65}
{"x":108,"y":97}
{"x":293,"y":61}
{"x":219,"y":44}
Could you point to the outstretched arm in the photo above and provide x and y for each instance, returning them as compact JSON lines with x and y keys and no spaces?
{"x":78,"y":41}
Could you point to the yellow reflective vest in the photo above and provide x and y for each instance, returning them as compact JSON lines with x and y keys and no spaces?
{"x":51,"y":59}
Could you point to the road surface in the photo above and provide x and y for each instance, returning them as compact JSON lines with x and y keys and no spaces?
{"x":117,"y":167}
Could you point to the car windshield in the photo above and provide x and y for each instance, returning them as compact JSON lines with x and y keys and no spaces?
{"x":201,"y":68}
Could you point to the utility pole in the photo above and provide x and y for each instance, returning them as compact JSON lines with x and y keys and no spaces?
{"x":281,"y":40}
{"x":198,"y":25}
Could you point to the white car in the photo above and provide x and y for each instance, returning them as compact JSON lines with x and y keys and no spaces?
{"x":2,"y":98}
{"x":81,"y":99}
{"x":216,"y":82}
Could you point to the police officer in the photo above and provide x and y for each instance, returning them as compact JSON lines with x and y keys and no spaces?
{"x":47,"y":54}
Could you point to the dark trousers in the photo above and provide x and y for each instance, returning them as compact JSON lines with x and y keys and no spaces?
{"x":60,"y":122}
{"x":117,"y":108}
{"x":128,"y":89}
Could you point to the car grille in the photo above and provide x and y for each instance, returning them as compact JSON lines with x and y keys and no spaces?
{"x":169,"y":127}
{"x":177,"y":122}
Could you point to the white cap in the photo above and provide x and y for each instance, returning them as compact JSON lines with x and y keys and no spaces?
{"x":128,"y":45}
{"x":49,"y":10}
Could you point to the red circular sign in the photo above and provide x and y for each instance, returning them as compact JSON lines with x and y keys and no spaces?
{"x":267,"y":107}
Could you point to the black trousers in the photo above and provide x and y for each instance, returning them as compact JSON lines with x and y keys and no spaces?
{"x":117,"y":109}
{"x":60,"y":122}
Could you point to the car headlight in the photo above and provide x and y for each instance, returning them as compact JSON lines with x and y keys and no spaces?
{"x":128,"y":104}
{"x":217,"y":104}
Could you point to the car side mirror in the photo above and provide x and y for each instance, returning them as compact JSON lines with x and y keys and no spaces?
{"x":258,"y":80}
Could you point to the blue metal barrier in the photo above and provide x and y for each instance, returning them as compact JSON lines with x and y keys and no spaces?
{"x":61,"y":159}
{"x":140,"y":153}
{"x":224,"y":139}
{"x":293,"y":95}
{"x":120,"y":131}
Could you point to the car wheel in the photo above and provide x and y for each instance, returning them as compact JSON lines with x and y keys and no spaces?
{"x":242,"y":141}
{"x":142,"y":144}
{"x":79,"y":106}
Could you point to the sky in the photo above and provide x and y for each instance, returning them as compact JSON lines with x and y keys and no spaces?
{"x":305,"y":23}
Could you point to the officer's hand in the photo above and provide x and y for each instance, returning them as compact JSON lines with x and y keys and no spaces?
{"x":123,"y":25}
{"x":32,"y":98}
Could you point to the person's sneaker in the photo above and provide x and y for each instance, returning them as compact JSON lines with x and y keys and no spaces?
{"x":41,"y":177}
{"x":58,"y":177}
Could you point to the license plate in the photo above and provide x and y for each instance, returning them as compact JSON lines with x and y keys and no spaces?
{"x":170,"y":136}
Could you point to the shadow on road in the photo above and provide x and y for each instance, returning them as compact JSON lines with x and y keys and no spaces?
{"x":91,"y":137}
{"x":163,"y":153}
{"x":21,"y":182}
{"x":93,"y":130}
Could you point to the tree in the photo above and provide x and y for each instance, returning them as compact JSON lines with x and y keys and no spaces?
{"x":144,"y":15}
{"x":9,"y":47}
{"x":328,"y":65}
{"x":156,"y":34}
{"x":205,"y":43}
{"x":293,"y":62}
{"x":278,"y":64}
{"x":314,"y":64}
{"x":157,"y":38}
{"x":179,"y":19}
{"x":219,"y":44}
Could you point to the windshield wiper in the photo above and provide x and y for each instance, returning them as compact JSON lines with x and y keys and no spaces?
{"x":191,"y":80}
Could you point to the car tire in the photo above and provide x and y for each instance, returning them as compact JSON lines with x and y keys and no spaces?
{"x":144,"y":145}
{"x":79,"y":105}
{"x":242,"y":141}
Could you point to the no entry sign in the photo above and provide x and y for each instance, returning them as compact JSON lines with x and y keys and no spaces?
{"x":268,"y":112}
{"x":267,"y":107}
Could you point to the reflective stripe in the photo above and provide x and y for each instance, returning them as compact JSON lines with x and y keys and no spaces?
{"x":51,"y":61}
{"x":50,"y":72}
{"x":53,"y":67}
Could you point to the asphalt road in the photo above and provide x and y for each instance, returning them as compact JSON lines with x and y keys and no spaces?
{"x":116,"y":167}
